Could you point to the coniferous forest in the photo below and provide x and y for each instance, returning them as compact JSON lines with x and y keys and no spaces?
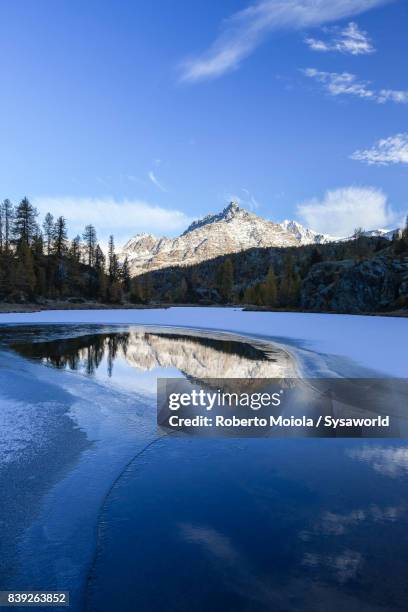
{"x":364,"y":274}
{"x":38,"y":262}
{"x":40,"y":265}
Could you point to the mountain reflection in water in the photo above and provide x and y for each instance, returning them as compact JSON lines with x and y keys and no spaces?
{"x":254,"y":524}
{"x":199,"y":356}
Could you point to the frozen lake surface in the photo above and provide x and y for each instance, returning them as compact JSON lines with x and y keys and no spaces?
{"x":96,"y":501}
{"x":376,"y":343}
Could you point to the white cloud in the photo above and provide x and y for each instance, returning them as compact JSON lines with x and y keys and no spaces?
{"x":342,"y":210}
{"x":344,"y":566}
{"x":346,"y":83}
{"x":245,"y":30}
{"x":337,"y":84}
{"x":217,"y":543}
{"x":155,"y":181}
{"x":392,"y":95}
{"x":392,"y":462}
{"x":351,"y":40}
{"x":123,"y":218}
{"x":336,"y":524}
{"x":392,"y":150}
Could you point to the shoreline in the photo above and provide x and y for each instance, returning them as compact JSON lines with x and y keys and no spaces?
{"x":10,"y":308}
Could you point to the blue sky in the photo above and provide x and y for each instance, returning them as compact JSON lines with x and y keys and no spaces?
{"x":141,"y":115}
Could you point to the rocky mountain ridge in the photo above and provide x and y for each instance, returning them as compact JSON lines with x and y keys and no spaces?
{"x":204,"y":357}
{"x":232,"y":230}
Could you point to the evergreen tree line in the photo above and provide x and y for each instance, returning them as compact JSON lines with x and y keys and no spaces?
{"x":39,"y":262}
{"x":269,"y":277}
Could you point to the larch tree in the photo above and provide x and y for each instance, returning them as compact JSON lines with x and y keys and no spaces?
{"x":60,"y":237}
{"x":48,"y":228}
{"x":25,"y":225}
{"x":270,"y":290}
{"x":225,"y":280}
{"x":113,"y":264}
{"x":7,"y":214}
{"x":90,"y":241}
{"x":125,"y":275}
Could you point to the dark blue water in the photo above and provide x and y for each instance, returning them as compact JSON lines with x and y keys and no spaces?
{"x":256,"y":525}
{"x":191,"y":524}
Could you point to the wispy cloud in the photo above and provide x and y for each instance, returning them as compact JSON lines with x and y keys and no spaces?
{"x":346,"y":83}
{"x":351,"y":40}
{"x":336,"y":524}
{"x":123,"y":218}
{"x":244,"y":198}
{"x":399,"y":96}
{"x":132,"y":178}
{"x":344,"y":566}
{"x":337,"y":84}
{"x":242,"y":577}
{"x":153,"y":178}
{"x":340,"y":211}
{"x":392,"y":150}
{"x":392,"y":462}
{"x":245,"y":30}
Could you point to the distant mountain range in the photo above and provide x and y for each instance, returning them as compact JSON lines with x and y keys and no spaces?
{"x":232,"y":230}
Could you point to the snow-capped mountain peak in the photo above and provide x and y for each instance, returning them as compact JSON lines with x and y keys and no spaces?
{"x":233,"y":210}
{"x":232,"y":230}
{"x":305,"y":235}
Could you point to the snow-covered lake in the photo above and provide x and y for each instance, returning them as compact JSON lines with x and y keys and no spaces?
{"x":96,"y":501}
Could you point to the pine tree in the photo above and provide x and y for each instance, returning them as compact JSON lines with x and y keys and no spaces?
{"x":289,"y":290}
{"x":296,"y":287}
{"x":38,"y":246}
{"x":147,"y":288}
{"x":74,"y":257}
{"x":316,"y":256}
{"x":254,"y":294}
{"x":75,"y":250}
{"x":270,"y":292}
{"x":183,"y":291}
{"x":99,"y":258}
{"x":7,"y":263}
{"x":286,"y":284}
{"x":7,"y":215}
{"x":25,"y":279}
{"x":405,"y":233}
{"x":90,"y":240}
{"x":113,"y":264}
{"x":125,"y":275}
{"x":225,"y":279}
{"x":100,"y":262}
{"x":136,"y":291}
{"x":25,"y":226}
{"x":115,"y":287}
{"x":1,"y":228}
{"x":41,"y":281}
{"x":60,"y":237}
{"x":248,"y":297}
{"x":48,"y":227}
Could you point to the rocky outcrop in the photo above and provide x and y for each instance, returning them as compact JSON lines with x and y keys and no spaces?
{"x":352,"y":286}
